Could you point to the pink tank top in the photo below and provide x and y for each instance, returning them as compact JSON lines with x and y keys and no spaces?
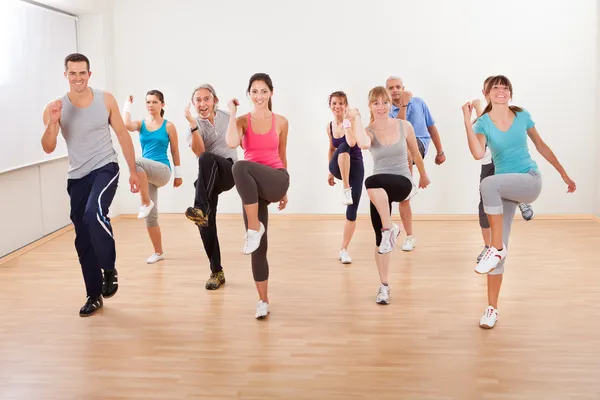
{"x":263,"y":149}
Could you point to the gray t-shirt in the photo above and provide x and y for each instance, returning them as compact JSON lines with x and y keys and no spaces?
{"x":214,"y":136}
{"x":87,"y":134}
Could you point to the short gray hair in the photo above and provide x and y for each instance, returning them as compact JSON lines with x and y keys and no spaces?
{"x":208,"y":87}
{"x":391,"y":78}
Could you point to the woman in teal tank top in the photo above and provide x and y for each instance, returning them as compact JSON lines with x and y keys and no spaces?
{"x":154,"y":167}
{"x":504,"y":129}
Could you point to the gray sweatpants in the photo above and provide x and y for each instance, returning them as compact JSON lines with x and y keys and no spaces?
{"x":502,"y":193}
{"x":158,"y":175}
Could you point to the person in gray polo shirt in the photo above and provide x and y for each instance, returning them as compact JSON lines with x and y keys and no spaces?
{"x":84,"y":116}
{"x":206,"y":137}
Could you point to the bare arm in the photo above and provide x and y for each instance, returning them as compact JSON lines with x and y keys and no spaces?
{"x":476,"y":142}
{"x":196,"y":143}
{"x":358,"y":132}
{"x":116,"y":122}
{"x":435,"y":138}
{"x":51,"y":118}
{"x":235,"y":127}
{"x":174,"y":140}
{"x":331,"y":150}
{"x":545,"y":151}
{"x":283,"y":140}
{"x":132,"y":126}
{"x":413,"y":147}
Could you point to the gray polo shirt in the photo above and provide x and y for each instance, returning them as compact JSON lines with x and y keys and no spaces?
{"x":214,"y":136}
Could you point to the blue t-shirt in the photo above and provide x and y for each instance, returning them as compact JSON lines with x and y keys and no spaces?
{"x":155,"y":143}
{"x":418,"y":114}
{"x":509,"y":149}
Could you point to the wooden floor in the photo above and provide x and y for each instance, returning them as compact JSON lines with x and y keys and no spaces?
{"x":163,"y":336}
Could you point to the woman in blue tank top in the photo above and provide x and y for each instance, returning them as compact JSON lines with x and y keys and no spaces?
{"x":154,"y":168}
{"x":345,"y":164}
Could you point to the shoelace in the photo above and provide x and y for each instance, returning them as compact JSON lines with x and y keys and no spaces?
{"x":487,"y":254}
{"x":489,"y":312}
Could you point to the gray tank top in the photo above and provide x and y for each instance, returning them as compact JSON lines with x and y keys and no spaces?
{"x":392,"y":158}
{"x":87,"y":134}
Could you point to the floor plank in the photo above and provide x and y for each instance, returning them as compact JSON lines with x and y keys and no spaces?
{"x":163,"y":336}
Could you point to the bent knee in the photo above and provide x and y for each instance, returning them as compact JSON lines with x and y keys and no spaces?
{"x":206,"y":158}
{"x":351,"y":213}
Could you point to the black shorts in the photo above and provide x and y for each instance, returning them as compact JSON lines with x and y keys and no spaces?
{"x":421,"y":147}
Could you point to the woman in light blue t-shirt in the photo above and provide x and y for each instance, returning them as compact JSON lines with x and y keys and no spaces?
{"x":504,"y":129}
{"x":156,"y":136}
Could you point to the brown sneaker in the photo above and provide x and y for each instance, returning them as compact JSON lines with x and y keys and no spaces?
{"x":215,"y":281}
{"x":197,"y":216}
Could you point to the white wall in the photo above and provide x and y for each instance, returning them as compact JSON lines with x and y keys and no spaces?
{"x":34,"y":203}
{"x":443,"y":50}
{"x":597,"y":137}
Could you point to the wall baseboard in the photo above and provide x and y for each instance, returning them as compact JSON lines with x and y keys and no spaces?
{"x":37,"y":243}
{"x":416,"y":217}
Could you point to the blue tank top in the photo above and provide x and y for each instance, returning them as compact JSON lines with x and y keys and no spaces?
{"x":155,"y":143}
{"x":355,"y":152}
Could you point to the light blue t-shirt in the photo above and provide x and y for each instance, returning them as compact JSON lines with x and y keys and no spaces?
{"x":509,"y":149}
{"x":155,"y":143}
{"x":418,"y":114}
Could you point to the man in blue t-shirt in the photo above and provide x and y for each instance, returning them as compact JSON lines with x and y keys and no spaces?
{"x":414,"y":110}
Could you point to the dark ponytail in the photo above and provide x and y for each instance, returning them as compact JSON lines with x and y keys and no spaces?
{"x":160,"y":96}
{"x":498,"y":80}
{"x":260,"y":76}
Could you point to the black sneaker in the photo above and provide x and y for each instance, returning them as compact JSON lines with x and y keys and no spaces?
{"x":197,"y":216}
{"x":110,"y":284}
{"x":92,"y":305}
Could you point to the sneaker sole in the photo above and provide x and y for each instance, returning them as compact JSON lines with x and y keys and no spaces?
{"x":383,"y":302}
{"x":484,"y":273}
{"x":89,"y":315}
{"x":263,"y":316}
{"x":198,"y":220}
{"x":211,"y":287}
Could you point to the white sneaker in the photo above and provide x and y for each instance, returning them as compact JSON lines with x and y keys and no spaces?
{"x":344,"y":257}
{"x":489,"y":318}
{"x":388,"y":239}
{"x":145,"y":210}
{"x":347,"y":197}
{"x":262,"y":309}
{"x":253,"y":239}
{"x":155,"y":258}
{"x":383,"y":295}
{"x":409,"y":243}
{"x":490,"y":259}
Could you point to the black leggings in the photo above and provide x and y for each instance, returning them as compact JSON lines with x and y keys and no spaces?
{"x":356,"y":177}
{"x":397,"y":187}
{"x":486,"y":170}
{"x":214,"y":178}
{"x":259,"y":183}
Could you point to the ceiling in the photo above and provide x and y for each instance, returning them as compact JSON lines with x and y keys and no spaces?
{"x":76,"y":6}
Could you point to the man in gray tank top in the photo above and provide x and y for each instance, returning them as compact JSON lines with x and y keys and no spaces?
{"x":84,"y":117}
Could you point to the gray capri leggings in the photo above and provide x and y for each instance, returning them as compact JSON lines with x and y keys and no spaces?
{"x":158,"y":175}
{"x":258,"y":183}
{"x":502,"y":193}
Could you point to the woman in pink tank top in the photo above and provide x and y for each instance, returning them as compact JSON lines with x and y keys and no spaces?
{"x":262,"y":177}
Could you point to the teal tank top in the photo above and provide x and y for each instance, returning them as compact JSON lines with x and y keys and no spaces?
{"x":155,"y":143}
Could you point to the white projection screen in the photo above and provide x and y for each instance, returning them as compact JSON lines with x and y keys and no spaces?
{"x":33,"y":44}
